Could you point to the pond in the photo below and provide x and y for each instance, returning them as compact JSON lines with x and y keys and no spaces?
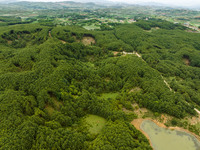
{"x":167,"y":139}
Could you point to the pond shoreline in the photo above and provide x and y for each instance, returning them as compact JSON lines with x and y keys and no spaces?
{"x":137,"y":124}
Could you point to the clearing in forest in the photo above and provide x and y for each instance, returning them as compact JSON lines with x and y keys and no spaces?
{"x":91,"y":27}
{"x":88,"y":40}
{"x":134,"y":90}
{"x":56,"y":104}
{"x":95,"y":123}
{"x":115,"y":53}
{"x":49,"y":109}
{"x":109,"y":95}
{"x":9,"y":42}
{"x":186,"y":61}
{"x":152,"y":29}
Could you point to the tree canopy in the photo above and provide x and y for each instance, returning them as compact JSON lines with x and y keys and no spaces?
{"x":52,"y":77}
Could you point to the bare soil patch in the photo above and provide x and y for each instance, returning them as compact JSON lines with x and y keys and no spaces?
{"x":186,"y":61}
{"x":87,"y":40}
{"x":50,"y":34}
{"x":115,"y":53}
{"x":195,"y":119}
{"x":107,"y":79}
{"x":9,"y":42}
{"x":139,"y":111}
{"x":136,"y":89}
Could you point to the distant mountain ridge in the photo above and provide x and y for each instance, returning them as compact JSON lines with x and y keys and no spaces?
{"x":7,"y":2}
{"x":191,"y":5}
{"x":50,"y":5}
{"x":101,"y":3}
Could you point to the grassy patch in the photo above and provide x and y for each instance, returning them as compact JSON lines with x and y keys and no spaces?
{"x":95,"y":123}
{"x":56,"y":103}
{"x":49,"y":109}
{"x":109,"y":95}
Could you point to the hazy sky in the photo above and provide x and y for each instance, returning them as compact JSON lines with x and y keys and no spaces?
{"x":171,"y":2}
{"x":161,"y":1}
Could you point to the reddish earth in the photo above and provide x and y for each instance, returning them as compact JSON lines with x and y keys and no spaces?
{"x":115,"y":53}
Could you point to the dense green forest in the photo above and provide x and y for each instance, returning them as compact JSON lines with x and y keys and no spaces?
{"x":53,"y":78}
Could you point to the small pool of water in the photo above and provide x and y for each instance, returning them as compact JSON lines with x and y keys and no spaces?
{"x":166,"y":139}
